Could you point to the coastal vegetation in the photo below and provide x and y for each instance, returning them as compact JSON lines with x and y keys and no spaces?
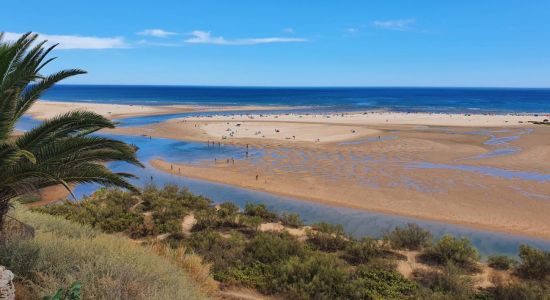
{"x":252,"y":248}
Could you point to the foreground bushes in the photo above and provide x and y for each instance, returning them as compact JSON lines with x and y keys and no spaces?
{"x":501,"y":262}
{"x":411,"y":237}
{"x":329,"y":264}
{"x":534,"y":263}
{"x":457,"y":251}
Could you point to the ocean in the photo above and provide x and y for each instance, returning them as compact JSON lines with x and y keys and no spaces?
{"x":458,"y":100}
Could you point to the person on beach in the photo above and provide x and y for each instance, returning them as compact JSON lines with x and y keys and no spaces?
{"x":256,"y":176}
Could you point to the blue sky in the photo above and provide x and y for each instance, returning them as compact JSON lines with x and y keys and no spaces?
{"x":295,"y":43}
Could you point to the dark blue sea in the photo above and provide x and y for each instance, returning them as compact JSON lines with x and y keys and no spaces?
{"x":462,"y":100}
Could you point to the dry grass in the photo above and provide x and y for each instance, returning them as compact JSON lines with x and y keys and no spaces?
{"x":108,"y":266}
{"x":192,"y":264}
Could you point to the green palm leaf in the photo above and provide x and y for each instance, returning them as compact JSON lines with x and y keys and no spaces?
{"x":61,"y":150}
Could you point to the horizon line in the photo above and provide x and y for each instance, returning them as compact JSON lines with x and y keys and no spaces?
{"x":305,"y":86}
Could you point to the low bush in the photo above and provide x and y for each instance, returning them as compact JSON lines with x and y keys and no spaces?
{"x":372,"y":283}
{"x":222,"y":252}
{"x":521,"y":290}
{"x":106,"y":209}
{"x":328,"y":228}
{"x":260,"y":210}
{"x":449,"y":283}
{"x":291,"y":220}
{"x":534,"y":263}
{"x":318,"y":276}
{"x":411,"y":236}
{"x":326,"y":241}
{"x":327,"y":237}
{"x":269,"y":248}
{"x":501,"y":262}
{"x":458,"y":251}
{"x":363,"y":251}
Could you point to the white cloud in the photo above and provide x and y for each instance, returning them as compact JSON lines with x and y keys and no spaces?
{"x":156,"y":33}
{"x":351,"y":30}
{"x":288,"y":30}
{"x":204,"y":37}
{"x":75,"y":41}
{"x":144,"y":42}
{"x":401,"y":25}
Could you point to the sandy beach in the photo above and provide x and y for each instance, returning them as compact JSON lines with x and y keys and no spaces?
{"x":46,"y":109}
{"x":318,"y":128}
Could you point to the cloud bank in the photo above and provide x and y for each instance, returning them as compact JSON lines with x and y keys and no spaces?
{"x":75,"y":41}
{"x":205,"y":37}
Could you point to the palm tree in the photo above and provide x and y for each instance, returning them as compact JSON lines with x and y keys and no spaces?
{"x":60,"y":151}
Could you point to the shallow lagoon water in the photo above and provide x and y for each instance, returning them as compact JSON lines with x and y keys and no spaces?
{"x":489,"y":171}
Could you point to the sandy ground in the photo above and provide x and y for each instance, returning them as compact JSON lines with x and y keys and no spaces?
{"x":324,"y":128}
{"x":43,"y":109}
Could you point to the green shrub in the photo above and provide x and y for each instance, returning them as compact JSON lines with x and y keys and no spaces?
{"x":260,"y":210}
{"x":412,"y":237}
{"x":521,"y":291}
{"x":255,"y":275}
{"x":327,"y":237}
{"x":106,"y":209}
{"x":318,"y":276}
{"x":449,"y":282}
{"x":72,"y":293}
{"x":227,"y":209}
{"x":449,"y":249}
{"x":363,"y":251}
{"x":180,"y":197}
{"x":270,"y":248}
{"x":222,"y":252}
{"x":251,"y":223}
{"x":371,"y":283}
{"x":328,"y":228}
{"x":212,"y":218}
{"x":501,"y":262}
{"x":326,"y":241}
{"x":291,"y":220}
{"x":534,"y":263}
